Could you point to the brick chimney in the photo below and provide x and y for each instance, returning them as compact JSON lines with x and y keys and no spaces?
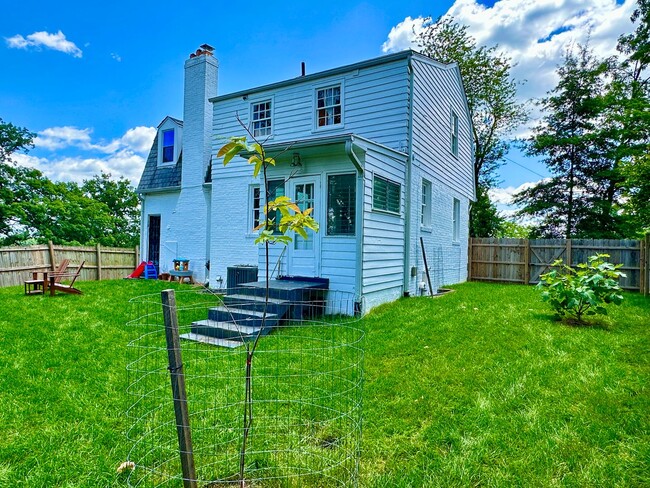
{"x":201,"y":73}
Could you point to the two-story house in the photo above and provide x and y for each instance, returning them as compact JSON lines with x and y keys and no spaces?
{"x":381,"y":149}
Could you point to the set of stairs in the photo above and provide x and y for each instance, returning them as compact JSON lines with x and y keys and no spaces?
{"x":242,"y":317}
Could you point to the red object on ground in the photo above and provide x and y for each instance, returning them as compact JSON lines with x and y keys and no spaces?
{"x":138,"y":271}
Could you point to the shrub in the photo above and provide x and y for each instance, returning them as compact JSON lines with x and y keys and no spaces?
{"x":584,"y":290}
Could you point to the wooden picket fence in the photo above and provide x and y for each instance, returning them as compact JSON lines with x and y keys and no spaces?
{"x":524,"y":260}
{"x":101,"y":263}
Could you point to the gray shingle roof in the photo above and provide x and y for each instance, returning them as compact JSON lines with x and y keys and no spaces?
{"x":155,"y":178}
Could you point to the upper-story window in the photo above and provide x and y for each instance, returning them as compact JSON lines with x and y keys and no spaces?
{"x":328,"y":106}
{"x":454,"y":133}
{"x":261,"y":119}
{"x":168,"y":146}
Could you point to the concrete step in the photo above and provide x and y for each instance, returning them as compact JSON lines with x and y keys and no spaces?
{"x":227,"y":330}
{"x":242,"y":316}
{"x":214,"y":341}
{"x":257,"y":303}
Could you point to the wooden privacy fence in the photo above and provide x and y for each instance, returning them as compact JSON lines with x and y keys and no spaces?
{"x":524,"y":260}
{"x":101,"y":263}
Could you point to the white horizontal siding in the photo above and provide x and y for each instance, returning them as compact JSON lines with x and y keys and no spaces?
{"x":375,"y":105}
{"x":436,"y":92}
{"x":383,"y":233}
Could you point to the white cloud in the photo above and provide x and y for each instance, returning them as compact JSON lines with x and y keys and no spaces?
{"x":56,"y":42}
{"x":534,"y":33}
{"x":503,"y":196}
{"x":403,"y":35}
{"x":116,"y":57}
{"x":123,"y":156}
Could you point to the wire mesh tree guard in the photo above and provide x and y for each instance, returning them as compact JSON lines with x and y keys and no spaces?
{"x":307,"y":397}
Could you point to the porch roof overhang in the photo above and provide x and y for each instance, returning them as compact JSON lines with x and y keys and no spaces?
{"x":353,"y":145}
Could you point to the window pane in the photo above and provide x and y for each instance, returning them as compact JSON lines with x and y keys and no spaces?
{"x":168,"y":137}
{"x":304,"y":198}
{"x":328,"y":106}
{"x":276,"y":189}
{"x":341,"y":204}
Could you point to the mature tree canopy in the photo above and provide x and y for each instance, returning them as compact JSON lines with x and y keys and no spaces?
{"x":490,"y":91}
{"x":12,"y":139}
{"x":33,"y":208}
{"x":569,"y":140}
{"x":491,"y":97}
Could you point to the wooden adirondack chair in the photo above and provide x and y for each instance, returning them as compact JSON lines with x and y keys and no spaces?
{"x":57,"y":285}
{"x":38,"y":285}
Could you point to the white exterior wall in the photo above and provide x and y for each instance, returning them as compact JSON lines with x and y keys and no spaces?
{"x":191,"y":218}
{"x":383,"y":233}
{"x":232,"y":216}
{"x":437,"y":91}
{"x":375,"y":106}
{"x":163,"y":204}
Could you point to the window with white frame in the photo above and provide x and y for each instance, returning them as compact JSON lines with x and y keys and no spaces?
{"x":341,"y":204}
{"x":454,"y":133}
{"x":385,"y":195}
{"x":261,"y":119}
{"x":425,"y":214}
{"x":168,"y":146}
{"x":255,"y":207}
{"x":328,"y":106}
{"x":276,"y":189}
{"x":456,"y":220}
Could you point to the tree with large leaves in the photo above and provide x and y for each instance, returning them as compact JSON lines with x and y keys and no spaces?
{"x":491,"y":97}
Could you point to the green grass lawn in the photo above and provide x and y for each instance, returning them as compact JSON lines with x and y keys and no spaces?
{"x":480,"y":387}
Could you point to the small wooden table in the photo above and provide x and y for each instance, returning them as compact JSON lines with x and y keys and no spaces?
{"x":37,"y":286}
{"x":181,"y":276}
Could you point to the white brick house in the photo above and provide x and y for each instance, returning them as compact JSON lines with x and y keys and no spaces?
{"x":381,"y":149}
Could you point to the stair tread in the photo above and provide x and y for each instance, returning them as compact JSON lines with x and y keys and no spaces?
{"x":243,"y":329}
{"x":191,"y":336}
{"x":243,"y":311}
{"x":257,"y":299}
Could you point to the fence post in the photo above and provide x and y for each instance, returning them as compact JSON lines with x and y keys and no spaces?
{"x":469,"y":258}
{"x":645,"y":267}
{"x":569,"y":252}
{"x":527,"y":262}
{"x":50,"y":247}
{"x":137,"y":256}
{"x":178,"y":388}
{"x":99,"y":262}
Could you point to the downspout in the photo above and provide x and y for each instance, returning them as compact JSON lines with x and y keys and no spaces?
{"x":359,"y":218}
{"x":409,"y":161}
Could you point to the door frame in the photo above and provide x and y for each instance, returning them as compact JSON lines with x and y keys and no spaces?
{"x":318,"y":204}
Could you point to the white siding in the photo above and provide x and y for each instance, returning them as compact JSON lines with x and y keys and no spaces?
{"x":383,"y":234}
{"x":375,"y":106}
{"x":436,"y":93}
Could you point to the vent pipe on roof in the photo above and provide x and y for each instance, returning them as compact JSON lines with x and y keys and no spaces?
{"x":302,"y":68}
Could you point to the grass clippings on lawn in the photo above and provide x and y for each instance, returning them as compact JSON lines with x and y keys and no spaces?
{"x":480,"y":387}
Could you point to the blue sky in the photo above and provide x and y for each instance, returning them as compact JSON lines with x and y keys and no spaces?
{"x":94,"y":79}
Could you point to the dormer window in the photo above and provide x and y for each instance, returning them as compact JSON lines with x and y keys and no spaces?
{"x":170,"y":141}
{"x":168,"y":146}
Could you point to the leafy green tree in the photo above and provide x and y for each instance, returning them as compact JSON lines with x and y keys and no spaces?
{"x":123,"y":206}
{"x":12,"y":139}
{"x":486,"y":221}
{"x":491,"y":97}
{"x":630,"y":116}
{"x":582,"y":198}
